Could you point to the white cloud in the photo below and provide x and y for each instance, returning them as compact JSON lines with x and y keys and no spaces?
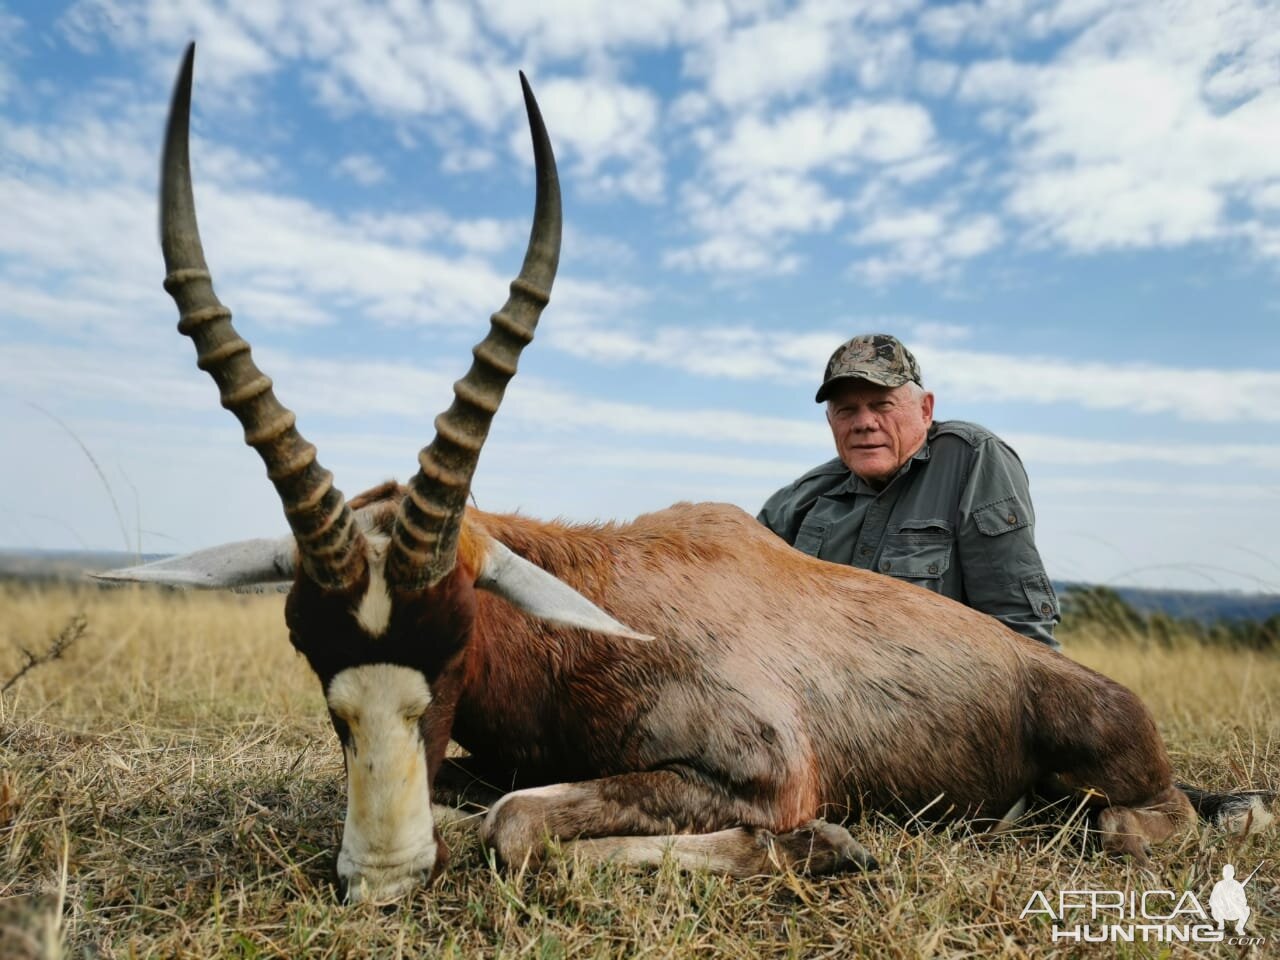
{"x":609,"y":128}
{"x":690,"y":109}
{"x":738,"y":353}
{"x":1192,"y":394}
{"x":580,"y":303}
{"x":909,"y":226}
{"x":768,"y":179}
{"x":258,"y":239}
{"x":936,"y":78}
{"x":403,"y":60}
{"x":95,"y":246}
{"x":230,"y":54}
{"x":566,"y":409}
{"x":800,"y":51}
{"x":1073,"y":451}
{"x":1146,"y":128}
{"x":1149,"y":492}
{"x":571,"y":28}
{"x":677,"y":463}
{"x":1002,"y":24}
{"x":596,"y":249}
{"x":485,"y":235}
{"x":998,"y":81}
{"x":822,"y":137}
{"x":1109,"y":206}
{"x":805,"y":45}
{"x":1236,"y":81}
{"x":990,"y":21}
{"x":769,"y":205}
{"x":726,"y":254}
{"x":80,"y":219}
{"x":399,"y":67}
{"x":159,"y":379}
{"x":368,"y":391}
{"x":11,"y":50}
{"x":745,"y":229}
{"x":467,"y":159}
{"x":266,"y":251}
{"x":362,"y":168}
{"x":923,"y":243}
{"x":931,"y":332}
{"x":365,"y":392}
{"x":488,"y":235}
{"x":88,"y":149}
{"x":409,"y":62}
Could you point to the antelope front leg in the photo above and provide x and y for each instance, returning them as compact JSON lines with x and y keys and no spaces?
{"x":639,"y":818}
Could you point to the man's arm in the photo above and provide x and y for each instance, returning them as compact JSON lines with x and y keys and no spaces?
{"x":779,"y":513}
{"x":1001,"y":567}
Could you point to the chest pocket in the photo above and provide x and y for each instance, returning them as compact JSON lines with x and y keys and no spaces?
{"x":919,"y":551}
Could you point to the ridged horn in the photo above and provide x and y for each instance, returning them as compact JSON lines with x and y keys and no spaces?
{"x":424,"y":542}
{"x":329,"y":543}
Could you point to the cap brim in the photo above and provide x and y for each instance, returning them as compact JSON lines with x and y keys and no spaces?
{"x":870,"y":376}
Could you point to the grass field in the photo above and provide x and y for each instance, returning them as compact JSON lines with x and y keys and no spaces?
{"x":171,"y":787}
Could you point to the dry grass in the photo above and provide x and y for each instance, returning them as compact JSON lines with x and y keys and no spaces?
{"x":171,"y":787}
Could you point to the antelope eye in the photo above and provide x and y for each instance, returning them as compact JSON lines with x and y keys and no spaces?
{"x":414,"y":712}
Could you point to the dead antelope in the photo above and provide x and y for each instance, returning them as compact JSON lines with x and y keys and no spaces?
{"x":751,"y":690}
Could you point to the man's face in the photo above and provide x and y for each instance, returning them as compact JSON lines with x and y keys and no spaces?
{"x":877,"y":429}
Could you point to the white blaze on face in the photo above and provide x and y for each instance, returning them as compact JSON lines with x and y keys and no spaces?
{"x":374,"y":610}
{"x":389,"y":838}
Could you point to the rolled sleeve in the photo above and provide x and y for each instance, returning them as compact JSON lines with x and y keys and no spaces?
{"x":1001,"y":567}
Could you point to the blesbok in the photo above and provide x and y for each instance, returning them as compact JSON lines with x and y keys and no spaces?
{"x":682,"y":685}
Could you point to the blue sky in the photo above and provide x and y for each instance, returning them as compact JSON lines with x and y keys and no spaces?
{"x":1070,"y":211}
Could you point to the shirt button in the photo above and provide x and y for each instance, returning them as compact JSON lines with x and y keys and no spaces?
{"x":933,"y":568}
{"x":1046,"y":608}
{"x":885,"y":565}
{"x":1012,"y":518}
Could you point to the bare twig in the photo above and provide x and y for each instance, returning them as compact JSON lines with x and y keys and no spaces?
{"x":68,"y":635}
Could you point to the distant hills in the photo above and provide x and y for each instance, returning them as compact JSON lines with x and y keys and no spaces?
{"x":1203,"y":606}
{"x":45,"y":565}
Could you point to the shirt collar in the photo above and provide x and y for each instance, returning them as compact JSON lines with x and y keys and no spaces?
{"x":854,"y":484}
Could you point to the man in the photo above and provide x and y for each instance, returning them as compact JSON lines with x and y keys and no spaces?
{"x":1227,"y":901}
{"x":942,"y":505}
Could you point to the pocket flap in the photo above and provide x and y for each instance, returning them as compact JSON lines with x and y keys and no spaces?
{"x":1040,"y":594}
{"x":918,"y":527}
{"x":913,"y":558}
{"x":1002,"y":516}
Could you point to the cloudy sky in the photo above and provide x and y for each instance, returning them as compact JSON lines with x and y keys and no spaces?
{"x":1070,"y":210}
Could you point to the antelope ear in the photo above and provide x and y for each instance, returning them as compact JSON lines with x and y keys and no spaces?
{"x":240,"y":564}
{"x":539,"y":594}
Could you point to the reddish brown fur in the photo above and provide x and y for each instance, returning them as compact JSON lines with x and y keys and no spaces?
{"x":779,"y":688}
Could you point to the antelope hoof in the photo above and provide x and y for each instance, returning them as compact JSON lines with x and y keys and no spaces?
{"x":820,"y":848}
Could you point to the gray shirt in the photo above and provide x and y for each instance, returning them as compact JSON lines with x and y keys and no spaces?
{"x":955,"y":519}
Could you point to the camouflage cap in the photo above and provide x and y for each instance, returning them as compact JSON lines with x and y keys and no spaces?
{"x":875,"y":357}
